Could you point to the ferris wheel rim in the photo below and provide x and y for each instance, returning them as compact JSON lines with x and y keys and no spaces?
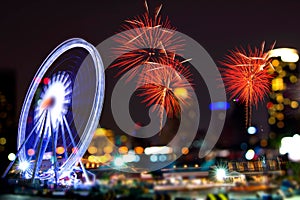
{"x":97,"y":102}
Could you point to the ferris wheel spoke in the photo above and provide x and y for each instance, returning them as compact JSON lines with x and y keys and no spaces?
{"x":56,"y":77}
{"x":54,"y":145}
{"x":68,"y":91}
{"x":74,"y":145}
{"x":41,"y":122}
{"x":63,"y":138}
{"x":38,"y":124}
{"x":42,"y":146}
{"x":65,"y":80}
{"x":69,"y":131}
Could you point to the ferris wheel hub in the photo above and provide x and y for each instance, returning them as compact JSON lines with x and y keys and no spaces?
{"x":48,"y":103}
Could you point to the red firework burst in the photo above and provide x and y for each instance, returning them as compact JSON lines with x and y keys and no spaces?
{"x":145,"y":39}
{"x":247,"y":76}
{"x":165,"y":86}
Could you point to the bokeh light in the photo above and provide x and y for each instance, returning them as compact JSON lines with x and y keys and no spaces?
{"x":251,"y":130}
{"x":118,"y":162}
{"x":11,"y":156}
{"x":92,"y":149}
{"x":123,"y":150}
{"x":250,"y":154}
{"x":185,"y":150}
{"x":139,"y":150}
{"x":2,"y":141}
{"x":60,"y":150}
{"x":30,"y":152}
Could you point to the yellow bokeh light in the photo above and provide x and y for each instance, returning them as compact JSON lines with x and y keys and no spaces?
{"x":278,"y":84}
{"x":286,"y":101}
{"x":282,"y":74}
{"x":280,"y":107}
{"x":280,"y":116}
{"x":272,"y":112}
{"x":293,"y":79}
{"x":275,"y":63}
{"x":292,"y":66}
{"x":2,"y":141}
{"x":108,"y":156}
{"x":60,"y":150}
{"x":294,"y":104}
{"x":123,"y":138}
{"x":108,"y":149}
{"x":181,"y":93}
{"x":279,"y":98}
{"x":123,"y":150}
{"x":272,"y":120}
{"x":92,"y":159}
{"x":101,"y":159}
{"x":280,"y":124}
{"x":97,"y":159}
{"x":92,"y":149}
{"x":279,"y":69}
{"x":100,"y":132}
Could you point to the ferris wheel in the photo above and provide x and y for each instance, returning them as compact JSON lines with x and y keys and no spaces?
{"x":61,"y":111}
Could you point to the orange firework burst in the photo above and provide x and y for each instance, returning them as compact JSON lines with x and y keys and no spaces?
{"x":149,"y":48}
{"x":165,"y":86}
{"x":145,"y":39}
{"x":247,"y":76}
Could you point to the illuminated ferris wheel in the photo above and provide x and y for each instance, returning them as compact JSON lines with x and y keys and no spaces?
{"x":60,"y":112}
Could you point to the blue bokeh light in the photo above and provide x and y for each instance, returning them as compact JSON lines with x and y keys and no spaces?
{"x":220,"y":105}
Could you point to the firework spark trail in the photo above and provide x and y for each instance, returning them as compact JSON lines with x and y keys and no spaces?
{"x":159,"y":85}
{"x":247,"y":76}
{"x":146,"y":39}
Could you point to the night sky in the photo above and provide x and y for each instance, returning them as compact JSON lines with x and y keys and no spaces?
{"x":31,"y":30}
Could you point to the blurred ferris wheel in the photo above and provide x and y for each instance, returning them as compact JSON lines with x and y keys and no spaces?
{"x":60,"y":112}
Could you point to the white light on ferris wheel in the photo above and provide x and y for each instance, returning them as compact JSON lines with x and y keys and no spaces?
{"x":23,"y":166}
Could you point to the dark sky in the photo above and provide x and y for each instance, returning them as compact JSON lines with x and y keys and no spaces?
{"x":31,"y":30}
